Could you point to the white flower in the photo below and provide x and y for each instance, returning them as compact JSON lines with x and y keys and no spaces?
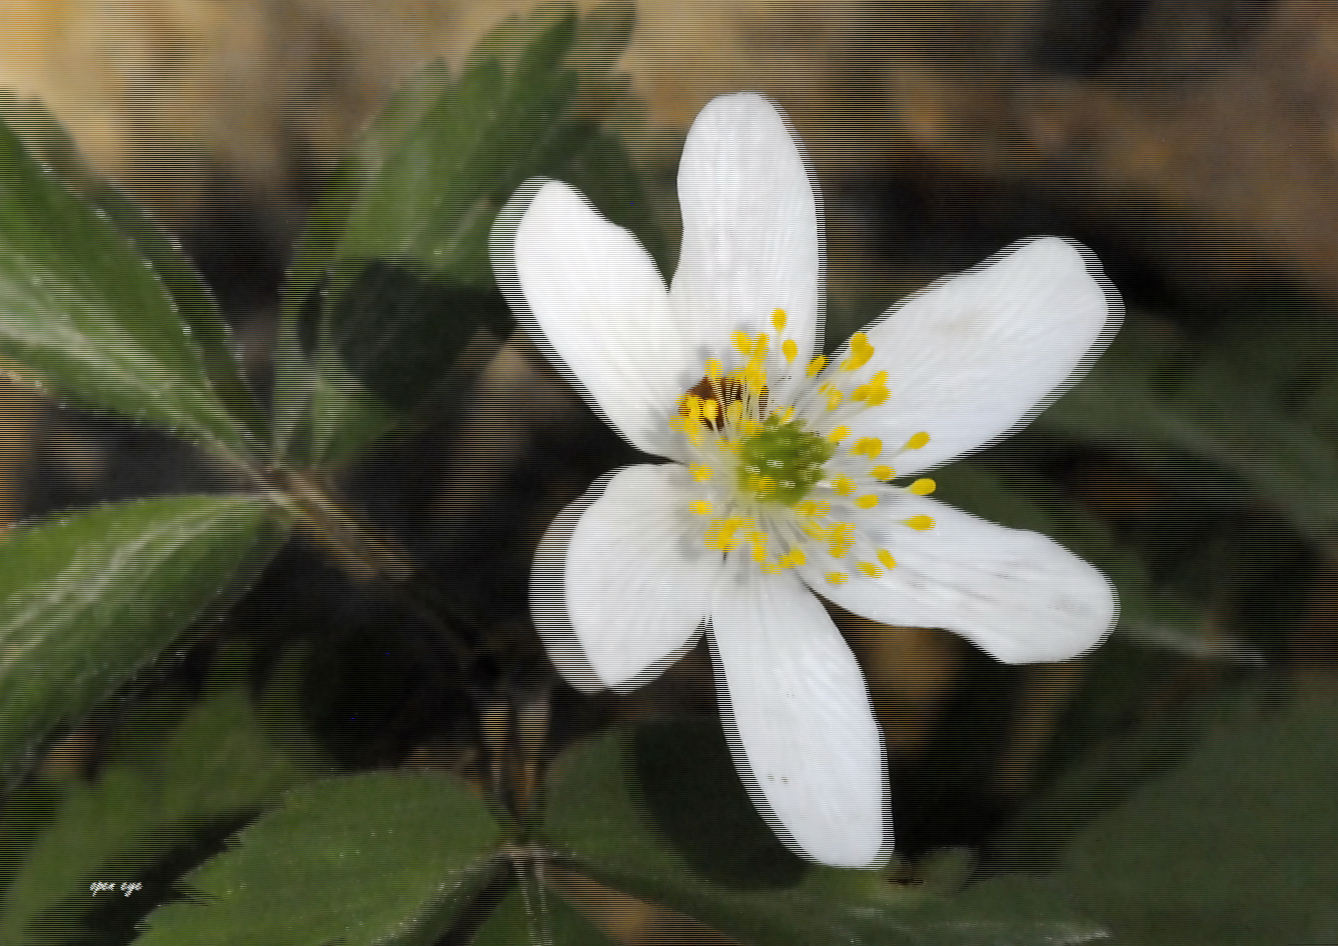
{"x":779,"y":485}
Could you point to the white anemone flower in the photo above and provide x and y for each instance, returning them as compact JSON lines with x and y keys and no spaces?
{"x":780,"y":486}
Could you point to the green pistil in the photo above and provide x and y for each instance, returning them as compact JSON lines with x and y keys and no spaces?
{"x":782,"y":462}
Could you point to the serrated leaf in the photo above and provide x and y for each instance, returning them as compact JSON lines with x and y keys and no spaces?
{"x":88,"y":600}
{"x":659,"y":811}
{"x":401,"y":246}
{"x":216,"y":767}
{"x":533,"y":913}
{"x":83,"y":312}
{"x":1235,"y":845}
{"x":380,"y":859}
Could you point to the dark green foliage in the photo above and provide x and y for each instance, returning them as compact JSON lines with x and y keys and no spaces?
{"x":88,"y":601}
{"x":383,"y":858}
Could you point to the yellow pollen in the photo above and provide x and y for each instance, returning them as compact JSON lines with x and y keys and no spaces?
{"x":790,"y":349}
{"x":742,"y":342}
{"x":701,"y":472}
{"x":778,"y":320}
{"x":843,"y":485}
{"x":839,"y":434}
{"x":882,"y":472}
{"x":837,"y":551}
{"x":816,"y":365}
{"x":920,"y":523}
{"x":701,"y":507}
{"x":814,"y":531}
{"x":813,"y":507}
{"x":759,"y":553}
{"x":795,"y":558}
{"x":870,"y":447}
{"x":918,"y":441}
{"x":834,"y":399}
{"x":766,"y":484}
{"x":922,"y":487}
{"x":867,"y":501}
{"x":860,"y":352}
{"x":886,"y":558}
{"x":763,"y":342}
{"x":869,"y":569}
{"x":836,"y":578}
{"x":733,"y":412}
{"x":713,"y":369}
{"x":710,"y":410}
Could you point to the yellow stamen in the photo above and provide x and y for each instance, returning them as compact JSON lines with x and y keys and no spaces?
{"x":920,"y":523}
{"x":836,"y":578}
{"x":870,"y":447}
{"x":922,"y":487}
{"x":790,"y":349}
{"x":701,"y":507}
{"x":813,"y":508}
{"x":816,"y":365}
{"x":918,"y":441}
{"x":860,"y":352}
{"x":869,"y":569}
{"x":886,"y":558}
{"x":882,"y":472}
{"x":778,"y":320}
{"x":839,"y":434}
{"x":867,"y":501}
{"x":742,"y":342}
{"x":701,"y":472}
{"x":733,"y":412}
{"x":834,"y":399}
{"x":795,"y":558}
{"x":713,"y":369}
{"x":843,"y":485}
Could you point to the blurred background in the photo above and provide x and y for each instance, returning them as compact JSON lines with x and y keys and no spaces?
{"x":1191,"y":144}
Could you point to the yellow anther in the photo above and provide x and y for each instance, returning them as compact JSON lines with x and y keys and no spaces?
{"x":920,"y":523}
{"x":815,"y":366}
{"x":834,"y":399}
{"x":701,"y":507}
{"x":869,"y":569}
{"x":795,"y":558}
{"x":759,"y":553}
{"x":743,"y":342}
{"x":763,"y":343}
{"x":882,"y":472}
{"x":710,"y":410}
{"x":843,"y":485}
{"x":886,"y":558}
{"x":733,"y":412}
{"x":713,"y":369}
{"x":701,"y":472}
{"x":836,"y":578}
{"x":815,"y":531}
{"x":839,"y":434}
{"x":838,"y":551}
{"x":917,"y":441}
{"x":813,"y":508}
{"x":870,"y":447}
{"x":790,"y":349}
{"x":867,"y":501}
{"x":922,"y":487}
{"x":778,"y":320}
{"x":755,"y":376}
{"x":766,"y":484}
{"x":860,"y":352}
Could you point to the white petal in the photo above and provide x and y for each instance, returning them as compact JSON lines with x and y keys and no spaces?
{"x":595,"y":302}
{"x":752,"y":231}
{"x":977,"y":356}
{"x":1019,"y":596}
{"x":798,"y":718}
{"x":621,"y":583}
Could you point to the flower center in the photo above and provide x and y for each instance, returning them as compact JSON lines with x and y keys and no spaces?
{"x":782,"y":461}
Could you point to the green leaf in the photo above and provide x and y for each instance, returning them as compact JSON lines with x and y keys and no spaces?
{"x":217,"y":767}
{"x":381,"y":859}
{"x":1233,"y":846}
{"x":1160,"y":404}
{"x":84,"y":312}
{"x":659,"y":811}
{"x":393,"y":279}
{"x":533,"y":913}
{"x":89,"y":600}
